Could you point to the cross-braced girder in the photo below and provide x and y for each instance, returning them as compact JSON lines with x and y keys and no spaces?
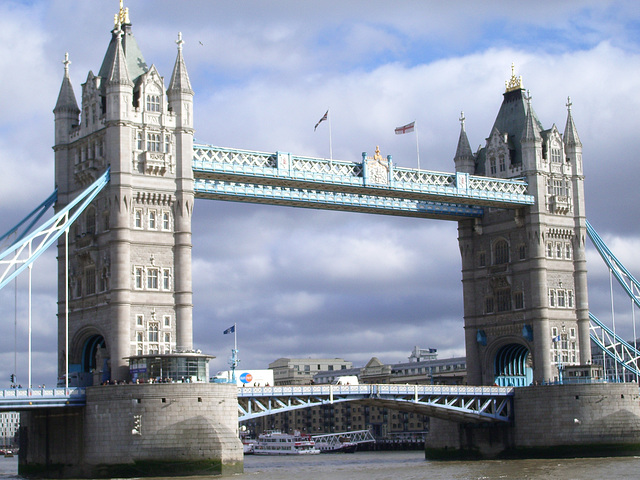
{"x":625,"y":355}
{"x":457,"y":403}
{"x":22,"y":253}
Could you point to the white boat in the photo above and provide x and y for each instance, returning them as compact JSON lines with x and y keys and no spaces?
{"x":277,"y":443}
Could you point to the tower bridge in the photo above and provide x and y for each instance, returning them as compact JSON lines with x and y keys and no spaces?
{"x":125,"y":283}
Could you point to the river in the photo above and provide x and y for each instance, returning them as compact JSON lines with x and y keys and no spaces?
{"x":410,"y":465}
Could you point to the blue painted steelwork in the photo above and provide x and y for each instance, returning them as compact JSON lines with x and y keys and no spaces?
{"x":458,"y":403}
{"x":30,"y":398}
{"x":614,"y":347}
{"x":374,"y":185}
{"x":511,"y":368}
{"x":23,"y":253}
{"x":34,"y":216}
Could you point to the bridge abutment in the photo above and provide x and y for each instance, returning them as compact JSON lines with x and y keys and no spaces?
{"x":135,"y":431}
{"x":549,"y":421}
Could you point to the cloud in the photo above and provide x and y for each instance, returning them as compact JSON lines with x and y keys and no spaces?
{"x":300,"y":282}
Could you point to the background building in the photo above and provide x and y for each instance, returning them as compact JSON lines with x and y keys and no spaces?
{"x":9,"y":424}
{"x":300,"y":371}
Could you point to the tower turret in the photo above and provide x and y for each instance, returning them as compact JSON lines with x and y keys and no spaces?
{"x":464,"y":159}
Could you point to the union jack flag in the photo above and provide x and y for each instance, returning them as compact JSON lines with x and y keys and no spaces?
{"x":324,"y":117}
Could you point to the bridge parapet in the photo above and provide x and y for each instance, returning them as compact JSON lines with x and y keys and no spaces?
{"x":213,"y":163}
{"x":28,"y":398}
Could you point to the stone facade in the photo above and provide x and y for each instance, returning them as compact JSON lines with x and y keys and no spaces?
{"x":524,"y":271}
{"x":136,"y":430}
{"x":130,"y":251}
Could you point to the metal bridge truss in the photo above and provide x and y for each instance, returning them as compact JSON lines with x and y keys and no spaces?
{"x":374,"y":185}
{"x":334,"y":440}
{"x":625,"y":355}
{"x":24,"y":251}
{"x":457,"y":403}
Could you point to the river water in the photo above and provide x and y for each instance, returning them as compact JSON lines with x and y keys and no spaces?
{"x":411,"y":465}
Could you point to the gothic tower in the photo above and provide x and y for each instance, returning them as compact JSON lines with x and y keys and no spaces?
{"x":524,"y":271}
{"x":130,"y":251}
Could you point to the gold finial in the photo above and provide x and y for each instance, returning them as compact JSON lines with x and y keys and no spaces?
{"x":122,"y":16}
{"x":514,"y":83}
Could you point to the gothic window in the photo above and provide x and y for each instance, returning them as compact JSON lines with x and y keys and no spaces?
{"x":166,"y":279}
{"x":139,"y":320}
{"x":502,"y":164}
{"x":152,"y":278}
{"x":167,"y":320}
{"x":138,"y":277}
{"x":558,"y":250}
{"x":572,"y":333}
{"x":167,"y":337}
{"x":488,"y":305}
{"x":518,"y":300}
{"x":167,"y":144}
{"x":570,"y":298}
{"x":90,"y":280}
{"x":139,"y":337}
{"x":153,"y":332}
{"x":503,"y":299}
{"x":549,"y":250}
{"x":152,"y":219}
{"x":100,"y":148}
{"x":79,"y":286}
{"x":90,"y":221}
{"x":166,"y":222}
{"x":522,"y":252}
{"x":561,"y":298}
{"x":556,"y":156}
{"x":482,"y":261}
{"x":140,"y":140}
{"x":552,"y":298}
{"x":501,"y":252}
{"x":492,"y":165}
{"x":567,"y":251}
{"x":153,"y":142}
{"x":137,"y":215}
{"x":153,"y":103}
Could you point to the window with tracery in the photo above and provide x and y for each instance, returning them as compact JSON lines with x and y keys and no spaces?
{"x":501,"y":252}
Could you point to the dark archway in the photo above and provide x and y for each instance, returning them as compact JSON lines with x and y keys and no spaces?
{"x":512,"y":366}
{"x":89,"y":351}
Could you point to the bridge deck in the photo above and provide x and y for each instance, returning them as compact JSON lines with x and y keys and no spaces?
{"x":368,"y":186}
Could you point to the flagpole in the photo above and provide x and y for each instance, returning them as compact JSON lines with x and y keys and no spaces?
{"x":330,"y":145}
{"x":417,"y":147}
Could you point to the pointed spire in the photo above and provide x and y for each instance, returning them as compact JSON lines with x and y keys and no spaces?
{"x":66,"y":98}
{"x":119,"y":73}
{"x":531,"y":130}
{"x":464,"y":148}
{"x":571,"y":137}
{"x":180,"y":78}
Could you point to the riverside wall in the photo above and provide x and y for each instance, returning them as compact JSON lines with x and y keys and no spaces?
{"x":549,"y":421}
{"x":135,"y":431}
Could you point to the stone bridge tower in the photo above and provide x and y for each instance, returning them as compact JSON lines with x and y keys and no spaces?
{"x":130,"y":252}
{"x":524,"y":272}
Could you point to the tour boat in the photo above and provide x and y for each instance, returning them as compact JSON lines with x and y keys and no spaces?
{"x":277,"y":443}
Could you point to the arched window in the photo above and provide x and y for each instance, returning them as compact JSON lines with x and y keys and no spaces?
{"x":501,"y":252}
{"x":90,"y":221}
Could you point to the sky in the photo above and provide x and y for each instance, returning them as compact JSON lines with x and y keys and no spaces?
{"x":307,"y":283}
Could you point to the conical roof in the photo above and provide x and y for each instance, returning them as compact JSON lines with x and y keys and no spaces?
{"x":570,"y":136}
{"x":180,"y":78}
{"x":133,"y":57}
{"x":66,"y":98}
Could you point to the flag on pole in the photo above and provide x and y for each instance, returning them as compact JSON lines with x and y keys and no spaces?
{"x":324,"y":117}
{"x":231,"y":329}
{"x":408,"y":128}
{"x":556,"y":339}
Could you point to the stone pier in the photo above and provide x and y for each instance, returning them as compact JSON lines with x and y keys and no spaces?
{"x":135,"y":431}
{"x":550,"y":421}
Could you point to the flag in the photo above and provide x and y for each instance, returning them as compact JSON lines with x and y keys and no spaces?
{"x":231,"y":329}
{"x":408,"y":128}
{"x":324,"y":117}
{"x":556,"y":339}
